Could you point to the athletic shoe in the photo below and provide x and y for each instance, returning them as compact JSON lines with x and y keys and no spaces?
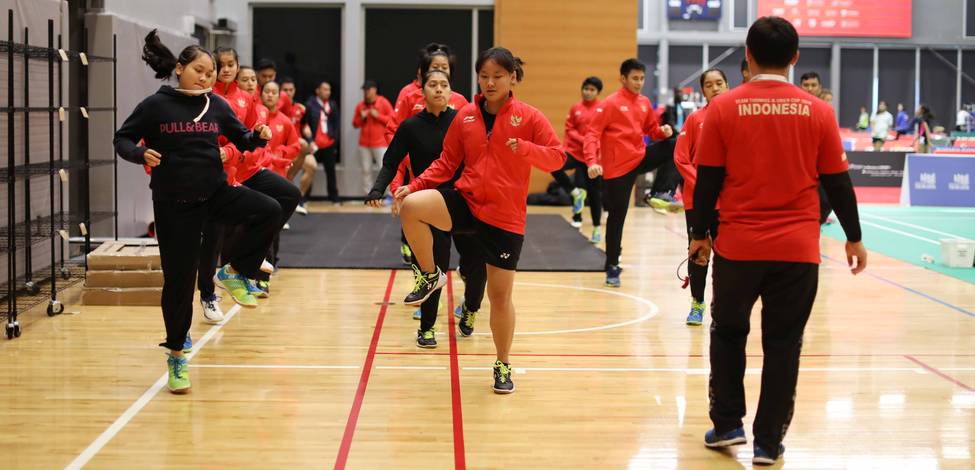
{"x":597,"y":235}
{"x":179,"y":377}
{"x":578,"y":200}
{"x":188,"y":344}
{"x":466,"y":324}
{"x":235,"y":284}
{"x":301,"y":209}
{"x":287,"y":226}
{"x":212,"y":313}
{"x":252,"y":289}
{"x":613,"y":276}
{"x":404,"y":250}
{"x":696,"y":317}
{"x":730,"y":438}
{"x":762,"y":457}
{"x":265,"y":287}
{"x":426,"y":339}
{"x":502,"y":378}
{"x":665,"y":202}
{"x":459,"y":310}
{"x":426,"y":285}
{"x":576,"y":221}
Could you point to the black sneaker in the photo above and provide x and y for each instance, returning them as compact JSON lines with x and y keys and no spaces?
{"x":502,"y":378}
{"x":426,"y":339}
{"x":466,"y":323}
{"x":426,"y":284}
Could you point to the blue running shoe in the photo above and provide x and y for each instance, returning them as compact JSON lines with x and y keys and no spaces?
{"x":597,"y":235}
{"x":762,"y":457}
{"x":188,"y":344}
{"x":730,"y":438}
{"x":613,"y":276}
{"x":578,"y":200}
{"x":254,"y":290}
{"x":459,"y":310}
{"x":417,"y":314}
{"x":696,"y":317}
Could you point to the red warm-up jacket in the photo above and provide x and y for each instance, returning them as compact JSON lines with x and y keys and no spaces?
{"x":495,"y":179}
{"x":577,"y":125}
{"x":372,"y":127}
{"x":246,"y":109}
{"x":406,"y":90}
{"x":684,"y":152}
{"x":279,"y":152}
{"x":615,"y":138}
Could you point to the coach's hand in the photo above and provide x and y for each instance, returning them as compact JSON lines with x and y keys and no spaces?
{"x":699,"y":251}
{"x":859,"y":252}
{"x":595,"y":171}
{"x":667,"y":130}
{"x":152,"y":157}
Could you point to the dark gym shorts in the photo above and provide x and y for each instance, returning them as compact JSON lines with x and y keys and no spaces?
{"x":500,"y":248}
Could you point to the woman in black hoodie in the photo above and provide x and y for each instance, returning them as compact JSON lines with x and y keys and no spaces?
{"x":421,"y":137}
{"x":180,"y":127}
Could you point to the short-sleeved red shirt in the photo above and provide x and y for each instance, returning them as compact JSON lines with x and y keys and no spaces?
{"x":774,"y":140}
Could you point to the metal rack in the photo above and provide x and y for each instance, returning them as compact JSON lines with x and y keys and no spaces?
{"x":21,"y":237}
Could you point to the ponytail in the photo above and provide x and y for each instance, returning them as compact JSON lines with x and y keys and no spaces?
{"x":158,"y":56}
{"x":161,"y":60}
{"x":504,"y":58}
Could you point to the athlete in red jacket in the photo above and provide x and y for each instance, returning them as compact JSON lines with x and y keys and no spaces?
{"x":713,"y":83}
{"x":576,"y":126}
{"x":614,"y":148}
{"x":498,"y":139}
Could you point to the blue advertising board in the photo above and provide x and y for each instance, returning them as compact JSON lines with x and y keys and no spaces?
{"x":939,"y":180}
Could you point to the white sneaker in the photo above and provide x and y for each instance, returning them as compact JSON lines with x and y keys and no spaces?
{"x":301,"y":209}
{"x":211,"y":310}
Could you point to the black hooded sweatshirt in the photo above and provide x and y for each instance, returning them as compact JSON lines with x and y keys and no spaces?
{"x":184,"y":130}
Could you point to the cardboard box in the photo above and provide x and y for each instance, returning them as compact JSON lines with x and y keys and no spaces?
{"x":118,"y":256}
{"x":152,"y":278}
{"x":135,"y":296}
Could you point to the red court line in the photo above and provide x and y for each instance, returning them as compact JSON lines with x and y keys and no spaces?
{"x":423,"y":353}
{"x":937,"y":372}
{"x":460,"y":461}
{"x":360,"y":392}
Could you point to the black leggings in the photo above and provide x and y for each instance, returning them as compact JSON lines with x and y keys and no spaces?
{"x":594,"y":186}
{"x":220,"y":239}
{"x":617,"y":191}
{"x":698,"y":273}
{"x":473,"y":270}
{"x":179,"y":229}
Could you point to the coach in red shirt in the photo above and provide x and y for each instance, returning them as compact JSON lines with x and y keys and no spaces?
{"x":765,"y":147}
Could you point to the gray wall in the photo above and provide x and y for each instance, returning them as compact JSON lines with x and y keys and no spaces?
{"x":34,"y":15}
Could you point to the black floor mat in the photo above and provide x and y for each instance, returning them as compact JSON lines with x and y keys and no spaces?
{"x":372,"y":241}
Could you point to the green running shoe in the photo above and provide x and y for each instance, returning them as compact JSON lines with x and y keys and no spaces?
{"x":696,"y":317}
{"x":179,"y":377}
{"x":236,"y":285}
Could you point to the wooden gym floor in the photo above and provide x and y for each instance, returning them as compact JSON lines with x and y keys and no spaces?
{"x":325,"y":373}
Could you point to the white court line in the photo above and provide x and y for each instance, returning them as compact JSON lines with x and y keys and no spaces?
{"x":412,"y":367}
{"x":106,"y":436}
{"x":650,"y":313}
{"x":703,"y":371}
{"x":267,"y":366}
{"x":919,"y":227}
{"x":910,"y":235}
